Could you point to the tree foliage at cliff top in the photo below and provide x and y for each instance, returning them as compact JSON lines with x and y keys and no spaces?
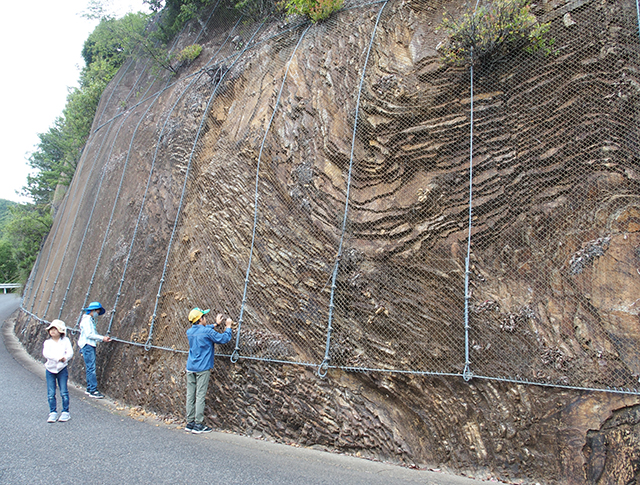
{"x":55,"y":158}
{"x":56,"y":155}
{"x":175,"y":13}
{"x":58,"y":152}
{"x":316,"y":10}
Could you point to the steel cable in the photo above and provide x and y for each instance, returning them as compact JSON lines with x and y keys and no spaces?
{"x":323,"y":367}
{"x":84,"y":188}
{"x":184,"y":185}
{"x":153,"y":162}
{"x":86,"y":229}
{"x":235,"y":354}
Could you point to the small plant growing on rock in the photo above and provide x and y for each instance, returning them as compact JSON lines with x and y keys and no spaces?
{"x":189,"y":53}
{"x":493,"y":30}
{"x":316,"y":10}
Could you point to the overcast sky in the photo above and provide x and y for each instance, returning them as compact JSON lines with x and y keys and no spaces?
{"x":42,"y":43}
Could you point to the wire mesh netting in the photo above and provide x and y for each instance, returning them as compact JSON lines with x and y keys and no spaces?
{"x":355,"y":203}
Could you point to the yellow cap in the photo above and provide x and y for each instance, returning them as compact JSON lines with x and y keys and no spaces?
{"x":196,"y":314}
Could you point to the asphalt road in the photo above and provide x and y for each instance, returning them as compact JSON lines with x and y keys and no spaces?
{"x":102,"y":446}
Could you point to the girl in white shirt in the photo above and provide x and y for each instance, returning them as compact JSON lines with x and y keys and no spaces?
{"x":58,"y":351}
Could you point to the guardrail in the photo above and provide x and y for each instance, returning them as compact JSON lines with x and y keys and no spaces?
{"x":9,"y":286}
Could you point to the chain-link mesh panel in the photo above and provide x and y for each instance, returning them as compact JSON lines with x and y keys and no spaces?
{"x":395,"y":286}
{"x":556,"y":203}
{"x":209,"y":251}
{"x":313,"y":183}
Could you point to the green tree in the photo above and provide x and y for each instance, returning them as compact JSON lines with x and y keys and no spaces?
{"x":8,"y":265}
{"x":46,"y":160}
{"x":25,"y":232}
{"x":5,"y":213}
{"x":175,"y":14}
{"x":113,"y":40}
{"x":56,"y":156}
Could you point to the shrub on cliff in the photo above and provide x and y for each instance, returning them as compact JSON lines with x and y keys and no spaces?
{"x":493,"y":30}
{"x":316,"y":10}
{"x":189,"y":53}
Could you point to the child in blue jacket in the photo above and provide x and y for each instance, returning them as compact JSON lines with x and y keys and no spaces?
{"x":202,"y":338}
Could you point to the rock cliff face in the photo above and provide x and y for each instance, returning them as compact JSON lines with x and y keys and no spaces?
{"x":227,"y":187}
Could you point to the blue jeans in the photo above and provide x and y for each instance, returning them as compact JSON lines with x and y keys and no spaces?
{"x":61,"y":378}
{"x":89,"y":355}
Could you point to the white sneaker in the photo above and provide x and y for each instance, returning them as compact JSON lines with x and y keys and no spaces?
{"x":53,"y":417}
{"x":64,"y":416}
